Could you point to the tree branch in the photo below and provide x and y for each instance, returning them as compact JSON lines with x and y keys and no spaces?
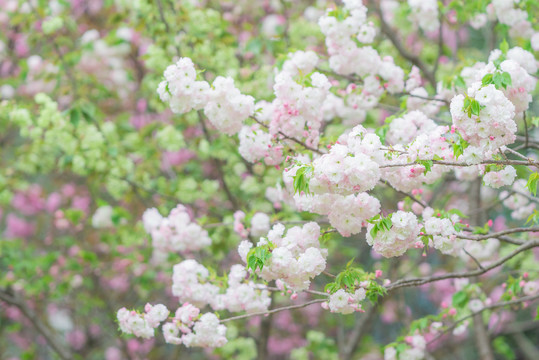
{"x":391,"y":35}
{"x":424,"y":280}
{"x":54,"y":343}
{"x":489,"y":307}
{"x":263,"y":313}
{"x":289,"y":137}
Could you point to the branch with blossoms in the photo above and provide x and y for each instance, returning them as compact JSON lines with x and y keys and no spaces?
{"x":525,"y":299}
{"x":42,"y":329}
{"x":326,"y":182}
{"x":425,"y":280}
{"x":255,"y":184}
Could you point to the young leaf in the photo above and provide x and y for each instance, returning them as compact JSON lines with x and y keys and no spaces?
{"x":531,"y":185}
{"x":504,"y":46}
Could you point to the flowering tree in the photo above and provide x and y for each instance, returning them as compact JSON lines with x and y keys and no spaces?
{"x":275,"y":179}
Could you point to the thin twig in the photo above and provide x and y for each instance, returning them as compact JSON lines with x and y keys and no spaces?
{"x":262,"y":313}
{"x":12,"y":299}
{"x":525,"y":129}
{"x":474,"y":259}
{"x":289,"y":137}
{"x":420,"y":202}
{"x":499,"y":233}
{"x":529,"y":162}
{"x":392,"y":36}
{"x":489,"y":307}
{"x":424,"y":280}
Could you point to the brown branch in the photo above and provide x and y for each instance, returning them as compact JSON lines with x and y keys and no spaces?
{"x":289,"y":137}
{"x":474,"y":259}
{"x":218,"y":165}
{"x":525,"y":129}
{"x":499,"y":233}
{"x":391,"y":34}
{"x":54,"y":343}
{"x":167,"y":26}
{"x":360,"y":328}
{"x":424,"y":280}
{"x":262,"y":313}
{"x":489,"y":307}
{"x":420,"y":202}
{"x":440,"y":43}
{"x":425,"y":98}
{"x":529,"y":162}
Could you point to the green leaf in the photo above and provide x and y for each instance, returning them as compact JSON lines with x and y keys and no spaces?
{"x":531,"y":185}
{"x":504,"y":46}
{"x":487,"y":79}
{"x":459,"y":82}
{"x":382,"y":132}
{"x":258,"y":257}
{"x":427,"y":164}
{"x":74,"y":116}
{"x":502,"y":347}
{"x":73,"y":215}
{"x":533,"y":218}
{"x":301,"y":179}
{"x":460,"y":298}
{"x":476,"y":108}
{"x":506,"y":77}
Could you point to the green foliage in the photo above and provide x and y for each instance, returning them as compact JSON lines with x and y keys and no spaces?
{"x":504,"y":46}
{"x":427,"y":164}
{"x":499,"y":79}
{"x":533,"y":181}
{"x":351,"y":278}
{"x":459,"y":146}
{"x":512,"y":288}
{"x":381,"y":131}
{"x":301,"y":179}
{"x":257,"y":257}
{"x":318,"y":346}
{"x":533,"y":219}
{"x":471,"y":106}
{"x":502,"y":347}
{"x":380,"y":224}
{"x":459,"y":82}
{"x":460,"y":299}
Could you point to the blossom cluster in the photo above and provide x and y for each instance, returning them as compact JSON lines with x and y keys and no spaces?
{"x":260,"y":224}
{"x":522,"y":207}
{"x":339,"y":180}
{"x":415,"y":351}
{"x":403,"y":130}
{"x":256,"y":144}
{"x":191,"y":283}
{"x":516,"y":19}
{"x":442,"y":230}
{"x":195,"y":330}
{"x":206,"y":331}
{"x":494,"y":126}
{"x":427,"y":146}
{"x":296,"y":257}
{"x":344,"y":302}
{"x":425,"y":14}
{"x":346,"y":57}
{"x":223,"y":103}
{"x":496,"y":179}
{"x":296,"y":108}
{"x":142,"y":325}
{"x":400,"y":237}
{"x":175,"y":233}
